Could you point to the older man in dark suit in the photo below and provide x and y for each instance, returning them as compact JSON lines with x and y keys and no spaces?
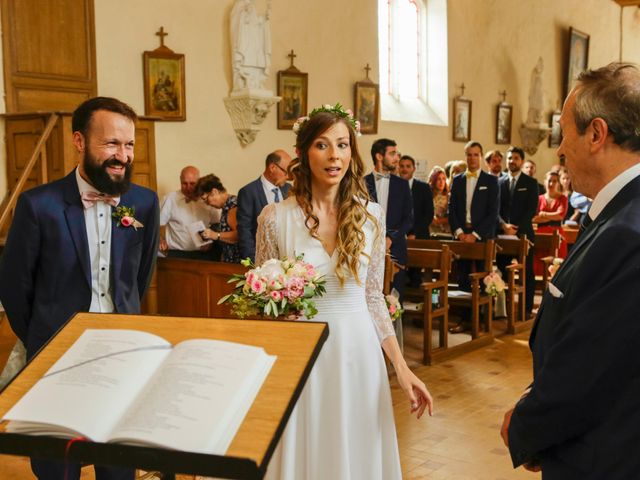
{"x":473,"y":207}
{"x":518,"y":205}
{"x":270,"y":187}
{"x":71,"y":250}
{"x":579,"y":419}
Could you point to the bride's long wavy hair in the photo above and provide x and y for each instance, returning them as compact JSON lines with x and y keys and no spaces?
{"x":351,"y":201}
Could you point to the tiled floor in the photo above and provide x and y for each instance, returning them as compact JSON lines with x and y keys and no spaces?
{"x":461,"y":441}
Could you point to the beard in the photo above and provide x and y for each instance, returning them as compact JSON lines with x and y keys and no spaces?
{"x":100,"y":178}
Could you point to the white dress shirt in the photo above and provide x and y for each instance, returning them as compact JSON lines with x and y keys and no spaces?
{"x":611,"y":189}
{"x":177,"y":214}
{"x":97,"y":219}
{"x":268,"y":190}
{"x":382,"y":190}
{"x":471,"y":187}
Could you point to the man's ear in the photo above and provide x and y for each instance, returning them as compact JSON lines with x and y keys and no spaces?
{"x":79,"y":141}
{"x":598,"y":133}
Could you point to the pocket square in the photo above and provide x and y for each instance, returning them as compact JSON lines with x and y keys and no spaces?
{"x":522,"y":189}
{"x":482,"y":188}
{"x":554,"y":291}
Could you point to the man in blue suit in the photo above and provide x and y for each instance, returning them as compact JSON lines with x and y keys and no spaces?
{"x":70,"y":250}
{"x":473,"y":208}
{"x":422,"y":199}
{"x":518,"y":205}
{"x":394,"y":195}
{"x":270,"y":187}
{"x":579,"y":419}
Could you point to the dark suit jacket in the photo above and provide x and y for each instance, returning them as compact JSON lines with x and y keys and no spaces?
{"x":422,"y":208}
{"x":581,"y":418}
{"x":251,"y":201}
{"x":484,"y":206}
{"x":399,"y":217}
{"x":45,"y":273}
{"x":521,"y":208}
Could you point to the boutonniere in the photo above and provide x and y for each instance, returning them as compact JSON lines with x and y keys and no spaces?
{"x":126,"y":217}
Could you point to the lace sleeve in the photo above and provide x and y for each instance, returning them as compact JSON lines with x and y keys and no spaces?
{"x":267,"y":235}
{"x":375,"y":277}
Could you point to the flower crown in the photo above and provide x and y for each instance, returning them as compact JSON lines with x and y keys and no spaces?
{"x":337,"y":110}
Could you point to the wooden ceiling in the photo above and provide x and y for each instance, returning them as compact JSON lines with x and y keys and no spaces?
{"x":628,"y":3}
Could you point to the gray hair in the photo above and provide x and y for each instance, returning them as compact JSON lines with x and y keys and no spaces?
{"x":613,"y":94}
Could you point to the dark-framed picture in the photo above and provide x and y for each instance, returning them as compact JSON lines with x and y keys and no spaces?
{"x":164,"y":86}
{"x":293,"y":88}
{"x":555,"y":137}
{"x":503,"y":123}
{"x":367,"y":106}
{"x":578,"y":56}
{"x":461,"y":119}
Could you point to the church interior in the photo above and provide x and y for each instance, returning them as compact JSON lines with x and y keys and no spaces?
{"x":57,"y":53}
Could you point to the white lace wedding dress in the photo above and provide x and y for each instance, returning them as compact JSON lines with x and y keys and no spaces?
{"x":342,"y":427}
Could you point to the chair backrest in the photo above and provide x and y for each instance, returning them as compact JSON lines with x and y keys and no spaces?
{"x":548,"y":242}
{"x":430,"y":259}
{"x":461,"y":250}
{"x":390,"y":269}
{"x":518,"y":248}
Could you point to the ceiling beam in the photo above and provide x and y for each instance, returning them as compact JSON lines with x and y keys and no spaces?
{"x":628,"y":3}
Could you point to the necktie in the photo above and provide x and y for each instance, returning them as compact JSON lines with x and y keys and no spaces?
{"x":276,"y":193}
{"x":90,"y":198}
{"x":380,"y":176}
{"x":512,"y":185}
{"x":472,"y":174}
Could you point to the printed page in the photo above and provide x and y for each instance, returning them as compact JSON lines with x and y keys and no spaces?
{"x":194,"y":230}
{"x":89,"y":388}
{"x":198,"y":398}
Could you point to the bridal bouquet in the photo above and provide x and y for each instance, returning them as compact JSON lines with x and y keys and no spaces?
{"x":276,"y":288}
{"x":494,"y":285}
{"x":393,"y":305}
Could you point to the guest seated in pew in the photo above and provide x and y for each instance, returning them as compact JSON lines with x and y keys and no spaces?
{"x":213,"y":193}
{"x":552,"y":208}
{"x":572,"y":216}
{"x":438,"y":182}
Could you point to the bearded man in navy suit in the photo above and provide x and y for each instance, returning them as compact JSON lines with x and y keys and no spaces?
{"x":579,"y":419}
{"x":66,"y":251}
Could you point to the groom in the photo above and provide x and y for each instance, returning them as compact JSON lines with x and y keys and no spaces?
{"x":579,"y":419}
{"x":67,"y":253}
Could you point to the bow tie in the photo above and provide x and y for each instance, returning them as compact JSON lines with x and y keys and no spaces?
{"x":380,"y":176}
{"x":89,"y":199}
{"x":472,"y":174}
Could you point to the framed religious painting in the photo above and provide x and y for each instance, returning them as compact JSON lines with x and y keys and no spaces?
{"x":367,"y":106}
{"x":503,"y":124}
{"x":293,"y":89}
{"x":164,"y":85}
{"x":578,"y":56}
{"x":461,"y":119}
{"x":555,"y":137}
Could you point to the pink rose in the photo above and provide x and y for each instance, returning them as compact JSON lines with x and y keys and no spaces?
{"x":126,"y":221}
{"x":258,"y":286}
{"x":392,"y":309}
{"x":276,"y":295}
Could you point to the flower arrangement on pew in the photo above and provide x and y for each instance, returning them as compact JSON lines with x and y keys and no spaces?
{"x":393,"y":305}
{"x":276,"y":288}
{"x":494,"y":285}
{"x":555,"y":265}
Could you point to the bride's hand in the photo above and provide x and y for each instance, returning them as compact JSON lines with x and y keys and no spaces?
{"x":415,"y":389}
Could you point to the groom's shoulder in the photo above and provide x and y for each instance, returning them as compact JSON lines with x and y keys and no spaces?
{"x":142,"y":194}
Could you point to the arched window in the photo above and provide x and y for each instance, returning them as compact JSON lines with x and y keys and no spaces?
{"x":413,"y":60}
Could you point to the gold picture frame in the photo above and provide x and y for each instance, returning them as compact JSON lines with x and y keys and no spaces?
{"x":293,"y":88}
{"x":461,"y":119}
{"x":367,"y":106}
{"x":164,"y":84}
{"x":504,"y":114}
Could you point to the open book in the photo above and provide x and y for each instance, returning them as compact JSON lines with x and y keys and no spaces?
{"x":133,"y":387}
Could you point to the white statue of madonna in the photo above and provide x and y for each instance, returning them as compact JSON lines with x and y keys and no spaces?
{"x":251,"y":46}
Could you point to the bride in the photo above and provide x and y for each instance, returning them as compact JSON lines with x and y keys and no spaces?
{"x":342,"y":426}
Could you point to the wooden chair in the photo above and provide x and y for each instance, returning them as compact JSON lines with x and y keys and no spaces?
{"x":477,"y":298}
{"x":546,"y":242}
{"x":390,"y":269}
{"x":516,"y":281}
{"x":431,"y":261}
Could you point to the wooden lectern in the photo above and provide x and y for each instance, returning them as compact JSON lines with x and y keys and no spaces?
{"x":296,"y":344}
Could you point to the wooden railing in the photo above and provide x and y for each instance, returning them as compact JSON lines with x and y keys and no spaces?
{"x":39,"y":153}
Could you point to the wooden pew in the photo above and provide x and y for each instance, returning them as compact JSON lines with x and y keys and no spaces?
{"x":432,"y":261}
{"x":548,"y":243}
{"x":192,"y":288}
{"x":516,"y":282}
{"x":477,"y":298}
